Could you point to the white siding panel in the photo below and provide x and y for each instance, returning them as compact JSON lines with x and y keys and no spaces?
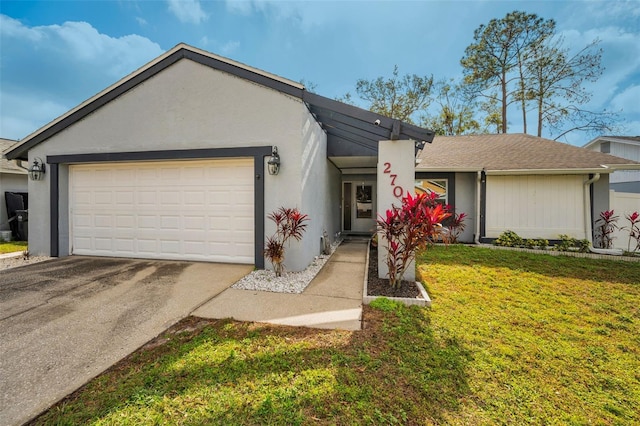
{"x":623,"y":203}
{"x":535,"y":206}
{"x":183,"y":210}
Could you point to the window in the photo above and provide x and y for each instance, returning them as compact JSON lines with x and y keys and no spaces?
{"x":364,"y":202}
{"x":439,"y":186}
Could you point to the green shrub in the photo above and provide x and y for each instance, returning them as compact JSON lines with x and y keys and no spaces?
{"x":568,"y":243}
{"x":564,"y":244}
{"x":509,"y":239}
{"x":536,"y":243}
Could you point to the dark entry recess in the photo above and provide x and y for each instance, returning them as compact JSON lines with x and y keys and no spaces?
{"x":347,"y":206}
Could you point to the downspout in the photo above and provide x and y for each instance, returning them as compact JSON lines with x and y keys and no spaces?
{"x":478,"y":188}
{"x":587,"y":219}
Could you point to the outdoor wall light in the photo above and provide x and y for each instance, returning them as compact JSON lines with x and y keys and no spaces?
{"x":274,"y":161}
{"x":37,"y":171}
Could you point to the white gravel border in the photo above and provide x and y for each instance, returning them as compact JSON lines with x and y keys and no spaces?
{"x":15,"y":260}
{"x":289,"y":282}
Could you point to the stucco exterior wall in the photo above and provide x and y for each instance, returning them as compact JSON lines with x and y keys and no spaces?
{"x":10,"y":182}
{"x":600,"y":196}
{"x":186,"y":106}
{"x":465,"y":202}
{"x":320,"y":188}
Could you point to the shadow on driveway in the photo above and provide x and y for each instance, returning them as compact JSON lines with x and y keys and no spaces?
{"x":64,"y":321}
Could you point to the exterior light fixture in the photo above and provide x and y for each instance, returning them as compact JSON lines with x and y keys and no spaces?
{"x":274,"y":161}
{"x":37,"y":170}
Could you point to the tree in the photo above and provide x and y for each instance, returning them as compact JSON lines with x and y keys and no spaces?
{"x":519,"y":59}
{"x":396,"y":97}
{"x":493,"y":115}
{"x":456,"y":115}
{"x":501,"y":48}
{"x":555,"y":75}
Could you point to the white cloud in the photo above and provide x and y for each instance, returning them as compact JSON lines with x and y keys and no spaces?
{"x":27,"y":112}
{"x":187,"y":11}
{"x":47,"y":70}
{"x":627,"y":100}
{"x":229,"y":47}
{"x":620,"y":59}
{"x":307,"y":15}
{"x":141,"y":21}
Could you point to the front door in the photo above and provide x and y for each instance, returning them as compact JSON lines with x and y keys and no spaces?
{"x":359,"y":207}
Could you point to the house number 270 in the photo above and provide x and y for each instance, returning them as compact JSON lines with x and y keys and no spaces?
{"x":397,"y":190}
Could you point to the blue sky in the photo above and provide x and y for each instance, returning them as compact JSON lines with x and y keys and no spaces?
{"x":56,"y":54}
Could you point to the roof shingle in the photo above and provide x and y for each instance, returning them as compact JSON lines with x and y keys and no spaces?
{"x":509,"y":152}
{"x":7,"y":166}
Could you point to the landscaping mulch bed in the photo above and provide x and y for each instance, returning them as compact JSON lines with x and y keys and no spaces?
{"x":381,"y":287}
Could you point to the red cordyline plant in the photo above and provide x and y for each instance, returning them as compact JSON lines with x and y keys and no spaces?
{"x":290,"y":223}
{"x":407,"y":228}
{"x":634,"y":230}
{"x":606,"y":226}
{"x":456,"y":227}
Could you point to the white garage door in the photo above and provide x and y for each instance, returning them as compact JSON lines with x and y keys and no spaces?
{"x":181,"y":210}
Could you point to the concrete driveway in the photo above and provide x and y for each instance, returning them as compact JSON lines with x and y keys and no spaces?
{"x":64,"y":321}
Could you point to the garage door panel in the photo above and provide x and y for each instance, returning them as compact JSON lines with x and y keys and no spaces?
{"x":198,"y":210}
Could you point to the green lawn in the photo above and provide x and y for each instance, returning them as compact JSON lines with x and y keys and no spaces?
{"x":12,"y":246}
{"x":511,"y":338}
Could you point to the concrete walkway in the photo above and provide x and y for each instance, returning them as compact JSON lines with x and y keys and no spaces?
{"x":332,"y":300}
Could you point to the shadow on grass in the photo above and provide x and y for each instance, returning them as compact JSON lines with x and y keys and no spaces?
{"x":544,"y":264}
{"x":395,"y":371}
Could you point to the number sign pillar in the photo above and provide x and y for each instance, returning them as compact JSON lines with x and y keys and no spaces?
{"x":396,"y":176}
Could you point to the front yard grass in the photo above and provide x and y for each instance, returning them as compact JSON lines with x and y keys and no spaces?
{"x":512,"y":337}
{"x":12,"y":246}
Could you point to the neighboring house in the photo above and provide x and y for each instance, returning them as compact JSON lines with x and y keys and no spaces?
{"x":535,"y":187}
{"x":624,"y":197}
{"x":12,"y":179}
{"x":171,"y":163}
{"x":625,"y":147}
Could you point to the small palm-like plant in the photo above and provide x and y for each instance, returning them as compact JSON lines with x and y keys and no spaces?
{"x":407,"y":228}
{"x":605,"y":227}
{"x":634,"y":231}
{"x":290,"y":223}
{"x":457,"y":226}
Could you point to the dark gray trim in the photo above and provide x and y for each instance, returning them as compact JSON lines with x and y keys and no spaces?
{"x":54,"y":212}
{"x":483,"y":205}
{"x":592,"y":212}
{"x":366,"y":120}
{"x":353,"y":124}
{"x":176,"y":154}
{"x":358,"y":119}
{"x":245,"y":73}
{"x":347,"y":147}
{"x":20,"y":152}
{"x":258,"y":210}
{"x":258,"y":154}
